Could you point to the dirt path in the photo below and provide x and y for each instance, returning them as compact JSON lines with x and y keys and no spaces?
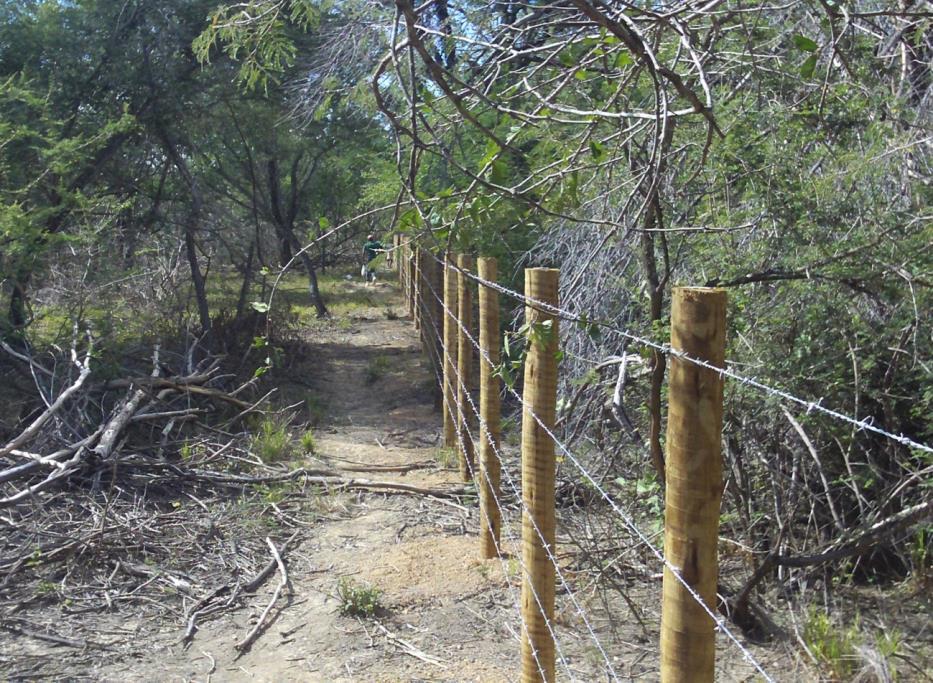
{"x":437,"y":601}
{"x":444,"y":614}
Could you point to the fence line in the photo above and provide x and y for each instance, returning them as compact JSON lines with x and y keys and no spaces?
{"x":484,"y":429}
{"x":501,"y":510}
{"x":865,"y":424}
{"x":718,"y":622}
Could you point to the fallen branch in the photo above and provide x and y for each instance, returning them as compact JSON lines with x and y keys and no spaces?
{"x":63,"y":397}
{"x":330,"y":478}
{"x":15,"y":627}
{"x":244,"y":644}
{"x":249,"y":587}
{"x":410,"y":649}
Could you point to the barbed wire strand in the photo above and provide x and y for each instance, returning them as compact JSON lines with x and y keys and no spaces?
{"x":865,"y":424}
{"x":499,"y":551}
{"x":629,"y":522}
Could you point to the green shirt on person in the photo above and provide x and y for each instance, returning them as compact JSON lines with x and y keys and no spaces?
{"x":371,"y":249}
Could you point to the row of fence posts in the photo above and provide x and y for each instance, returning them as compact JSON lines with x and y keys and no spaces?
{"x":693,"y":467}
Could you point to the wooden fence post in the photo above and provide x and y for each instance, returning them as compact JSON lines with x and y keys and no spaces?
{"x":435,"y":313}
{"x":429,"y":318}
{"x":490,"y":410}
{"x":538,"y":466}
{"x":449,"y":352}
{"x":465,"y":446}
{"x":398,"y":261}
{"x":411,"y":282}
{"x":417,"y":290}
{"x":693,"y":484}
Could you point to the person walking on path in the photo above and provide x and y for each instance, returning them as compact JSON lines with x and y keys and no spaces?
{"x":371,"y":248}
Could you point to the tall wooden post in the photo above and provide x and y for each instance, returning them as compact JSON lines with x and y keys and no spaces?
{"x":465,"y":445}
{"x":430,"y":319}
{"x":418,"y":289}
{"x":449,"y":354}
{"x":693,"y":484}
{"x":436,"y":313}
{"x":490,"y":410}
{"x":538,"y":466}
{"x":411,"y":282}
{"x":403,"y":266}
{"x":424,"y":323}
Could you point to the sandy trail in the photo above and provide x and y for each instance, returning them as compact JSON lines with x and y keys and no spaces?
{"x":444,"y":613}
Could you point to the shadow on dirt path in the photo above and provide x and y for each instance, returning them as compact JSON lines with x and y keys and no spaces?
{"x":444,"y":614}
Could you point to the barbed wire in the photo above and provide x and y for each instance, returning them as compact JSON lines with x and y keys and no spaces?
{"x":484,"y":429}
{"x":627,"y":520}
{"x":496,"y":542}
{"x":865,"y":424}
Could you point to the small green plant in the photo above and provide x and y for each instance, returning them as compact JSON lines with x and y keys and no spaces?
{"x":307,"y":441}
{"x":446,"y":457}
{"x":376,"y":369}
{"x":357,"y":600}
{"x":317,"y":409}
{"x":272,"y":442}
{"x":46,"y":587}
{"x":272,"y":493}
{"x":833,"y":647}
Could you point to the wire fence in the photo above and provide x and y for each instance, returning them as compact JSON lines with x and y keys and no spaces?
{"x":431,"y":327}
{"x":428,"y":305}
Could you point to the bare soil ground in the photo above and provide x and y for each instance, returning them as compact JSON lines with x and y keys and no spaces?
{"x":445,"y":615}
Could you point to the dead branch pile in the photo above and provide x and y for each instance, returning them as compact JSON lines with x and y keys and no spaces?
{"x":140,"y":490}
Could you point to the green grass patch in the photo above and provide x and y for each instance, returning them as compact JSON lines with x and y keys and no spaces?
{"x":307,"y":442}
{"x":271,"y":440}
{"x":376,"y":369}
{"x":358,"y":600}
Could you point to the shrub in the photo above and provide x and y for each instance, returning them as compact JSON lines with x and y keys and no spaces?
{"x":272,"y":442}
{"x":376,"y":369}
{"x":357,"y":600}
{"x":307,"y":441}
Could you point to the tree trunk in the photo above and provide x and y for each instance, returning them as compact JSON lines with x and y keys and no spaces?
{"x":285,"y":227}
{"x":247,"y":278}
{"x":191,"y":225}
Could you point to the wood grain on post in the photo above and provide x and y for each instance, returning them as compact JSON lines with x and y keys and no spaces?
{"x":416,"y":290}
{"x":411,"y":282}
{"x":465,"y":447}
{"x":402,"y":266}
{"x":694,"y":484}
{"x":436,"y":315}
{"x":449,"y":354}
{"x":538,"y":466}
{"x":425,"y":271}
{"x":490,"y":410}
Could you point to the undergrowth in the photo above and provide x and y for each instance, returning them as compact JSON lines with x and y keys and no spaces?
{"x":358,"y":600}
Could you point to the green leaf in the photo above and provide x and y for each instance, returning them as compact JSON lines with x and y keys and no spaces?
{"x":324,"y":223}
{"x":623,"y":59}
{"x":409,"y":220}
{"x":598,"y":150}
{"x":260,"y":306}
{"x":499,"y":173}
{"x":804,"y":43}
{"x":807,"y":68}
{"x":581,"y":75}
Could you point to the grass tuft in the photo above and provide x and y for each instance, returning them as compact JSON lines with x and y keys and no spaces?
{"x":357,"y":600}
{"x":272,"y":442}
